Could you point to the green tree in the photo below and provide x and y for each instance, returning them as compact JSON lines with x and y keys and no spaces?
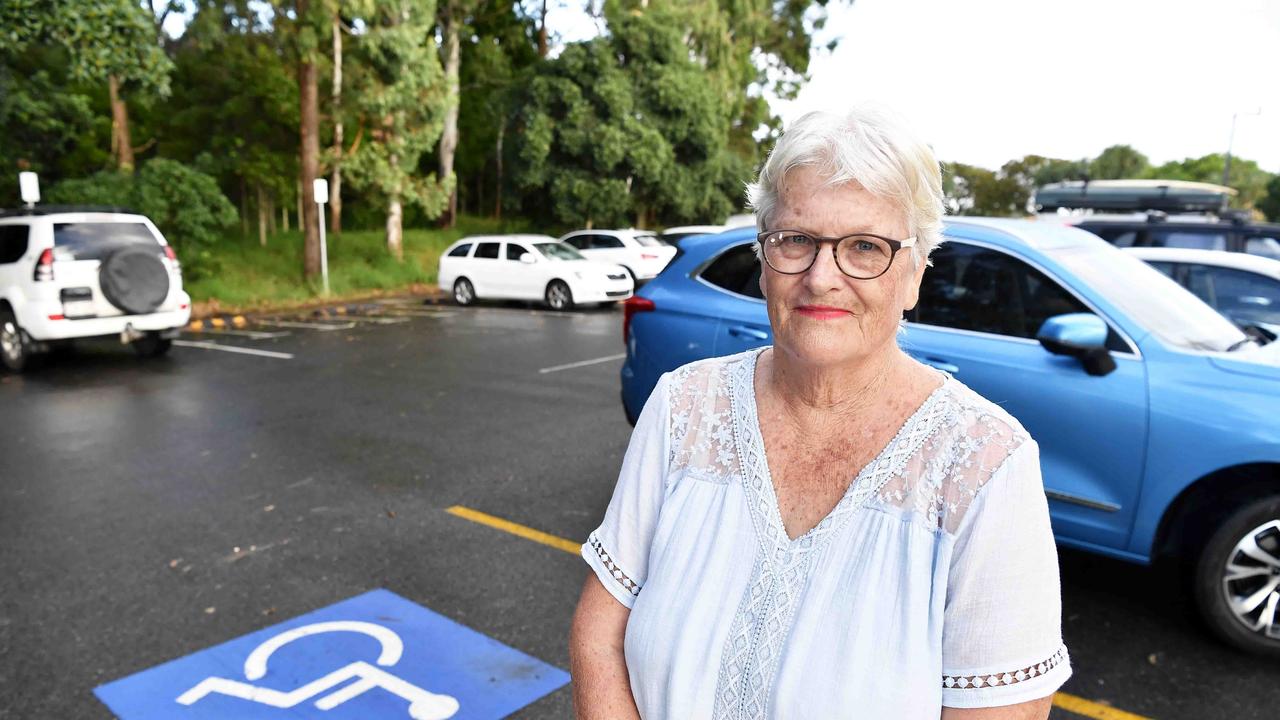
{"x":1270,"y":203}
{"x":401,"y":99}
{"x":108,"y":41}
{"x":1118,"y":162}
{"x":1249,"y":180}
{"x":628,"y":127}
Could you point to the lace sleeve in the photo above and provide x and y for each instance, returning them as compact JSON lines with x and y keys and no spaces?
{"x":1002,"y":641}
{"x":618,"y":550}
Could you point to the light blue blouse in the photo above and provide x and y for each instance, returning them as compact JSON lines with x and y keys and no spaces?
{"x":933,"y":582}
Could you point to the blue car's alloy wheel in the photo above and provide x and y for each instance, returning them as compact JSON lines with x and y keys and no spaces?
{"x":1238,"y":578}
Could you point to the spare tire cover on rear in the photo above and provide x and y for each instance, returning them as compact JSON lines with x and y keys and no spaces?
{"x":134,"y":280}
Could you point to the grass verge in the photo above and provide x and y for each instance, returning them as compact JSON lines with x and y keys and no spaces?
{"x":244,"y":276}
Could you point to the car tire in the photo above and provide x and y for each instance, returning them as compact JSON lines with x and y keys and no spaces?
{"x":1247,"y":545}
{"x":464,"y":293}
{"x":15,"y":347}
{"x":558,"y":296}
{"x":151,"y":345}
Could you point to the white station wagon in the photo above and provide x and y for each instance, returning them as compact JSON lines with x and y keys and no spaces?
{"x":529,"y":267}
{"x":642,"y":253}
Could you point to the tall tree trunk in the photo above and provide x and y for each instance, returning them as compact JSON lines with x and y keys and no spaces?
{"x":335,"y":184}
{"x":309,"y":166}
{"x":497,"y":203}
{"x":244,"y":209}
{"x":542,"y":31}
{"x":449,"y":136}
{"x":262,"y":216}
{"x":395,"y":230}
{"x":284,"y":217}
{"x":298,"y":197}
{"x":272,"y":228}
{"x":121,"y":143}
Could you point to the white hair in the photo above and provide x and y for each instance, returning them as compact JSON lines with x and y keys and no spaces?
{"x":865,"y":145}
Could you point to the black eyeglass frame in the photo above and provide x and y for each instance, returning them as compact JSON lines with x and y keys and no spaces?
{"x":894,"y":246}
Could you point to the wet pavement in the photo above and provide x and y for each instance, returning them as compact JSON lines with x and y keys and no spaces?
{"x":150,"y":509}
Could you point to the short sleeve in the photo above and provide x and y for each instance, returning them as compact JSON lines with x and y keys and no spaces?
{"x":618,"y":550}
{"x":1002,"y":631}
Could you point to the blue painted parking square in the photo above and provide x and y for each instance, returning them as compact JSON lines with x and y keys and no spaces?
{"x":376,"y":655}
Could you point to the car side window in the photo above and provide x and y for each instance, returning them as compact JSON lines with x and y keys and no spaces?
{"x":1264,"y":246}
{"x":460,"y":251}
{"x":1240,"y":295}
{"x":1185,"y":238}
{"x":736,"y":270}
{"x":1167,"y":268}
{"x":605,"y":242}
{"x":514,"y":251}
{"x":487,"y":250}
{"x":13,"y":243}
{"x":581,"y":242}
{"x":983,"y":290}
{"x":1118,"y":236}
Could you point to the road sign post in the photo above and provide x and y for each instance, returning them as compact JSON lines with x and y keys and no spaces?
{"x":320,"y":188}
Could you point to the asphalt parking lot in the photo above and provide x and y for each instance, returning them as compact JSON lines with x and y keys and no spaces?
{"x":152,"y":509}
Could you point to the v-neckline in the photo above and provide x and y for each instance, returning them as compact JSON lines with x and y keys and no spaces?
{"x":770,"y":493}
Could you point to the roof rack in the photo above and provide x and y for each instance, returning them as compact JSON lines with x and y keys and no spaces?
{"x":1169,"y":196}
{"x":56,"y":209}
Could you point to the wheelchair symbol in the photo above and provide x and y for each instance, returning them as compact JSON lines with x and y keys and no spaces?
{"x":423,"y":705}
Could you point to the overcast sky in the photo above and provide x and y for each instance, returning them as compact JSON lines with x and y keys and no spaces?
{"x":985,"y":81}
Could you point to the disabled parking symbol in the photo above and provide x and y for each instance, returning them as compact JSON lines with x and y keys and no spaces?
{"x":375,"y":655}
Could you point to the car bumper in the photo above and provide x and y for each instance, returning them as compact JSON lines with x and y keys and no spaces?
{"x":611,"y":291}
{"x":37,"y":321}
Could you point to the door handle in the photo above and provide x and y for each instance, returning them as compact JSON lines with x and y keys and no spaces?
{"x":742,"y":331}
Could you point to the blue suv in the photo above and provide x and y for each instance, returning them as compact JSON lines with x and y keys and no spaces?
{"x":1158,"y":420}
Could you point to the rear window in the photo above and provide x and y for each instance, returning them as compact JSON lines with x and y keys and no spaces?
{"x":650,"y":241}
{"x":13,"y":243}
{"x":737,"y":270}
{"x":97,"y":240}
{"x":1187,"y":238}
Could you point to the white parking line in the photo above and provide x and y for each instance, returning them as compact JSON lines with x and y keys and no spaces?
{"x":323,"y":327}
{"x":377,"y":320}
{"x":581,"y":363}
{"x":233,"y":349}
{"x":251,"y":334}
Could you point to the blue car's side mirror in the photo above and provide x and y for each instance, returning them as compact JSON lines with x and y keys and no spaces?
{"x":1079,"y":335}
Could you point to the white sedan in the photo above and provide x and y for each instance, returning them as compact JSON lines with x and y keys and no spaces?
{"x":1243,"y":287}
{"x":529,"y":267}
{"x":641,"y":252}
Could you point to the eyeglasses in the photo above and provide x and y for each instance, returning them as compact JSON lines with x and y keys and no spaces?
{"x":862,"y":256}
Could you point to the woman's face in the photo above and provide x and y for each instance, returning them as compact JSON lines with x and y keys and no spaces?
{"x":823,"y":316}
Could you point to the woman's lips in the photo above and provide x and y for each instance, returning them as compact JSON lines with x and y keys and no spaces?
{"x":822,"y":312}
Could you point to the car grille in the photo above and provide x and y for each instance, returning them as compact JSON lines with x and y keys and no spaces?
{"x":619,"y":276}
{"x":616,"y":293}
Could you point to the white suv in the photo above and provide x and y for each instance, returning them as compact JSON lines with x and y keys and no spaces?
{"x":67,"y":274}
{"x":641,"y":252}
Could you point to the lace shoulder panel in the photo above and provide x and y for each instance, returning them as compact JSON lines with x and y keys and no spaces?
{"x":941,"y":481}
{"x":702,"y":442}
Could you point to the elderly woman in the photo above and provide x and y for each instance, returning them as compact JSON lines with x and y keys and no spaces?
{"x":826,"y":528}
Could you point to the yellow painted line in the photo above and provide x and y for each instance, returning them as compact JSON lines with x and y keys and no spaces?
{"x":1091,"y":709}
{"x":527,"y":533}
{"x":1066,"y":701}
{"x":218,"y":322}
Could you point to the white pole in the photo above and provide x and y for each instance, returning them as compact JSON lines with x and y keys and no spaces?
{"x":321,"y":192}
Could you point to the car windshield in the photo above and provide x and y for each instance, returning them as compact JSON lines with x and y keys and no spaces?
{"x":558,"y":251}
{"x":1169,"y":311}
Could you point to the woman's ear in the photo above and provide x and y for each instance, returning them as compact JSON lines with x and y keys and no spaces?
{"x":913,"y":283}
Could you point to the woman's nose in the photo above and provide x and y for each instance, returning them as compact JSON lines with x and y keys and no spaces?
{"x":824,"y":273}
